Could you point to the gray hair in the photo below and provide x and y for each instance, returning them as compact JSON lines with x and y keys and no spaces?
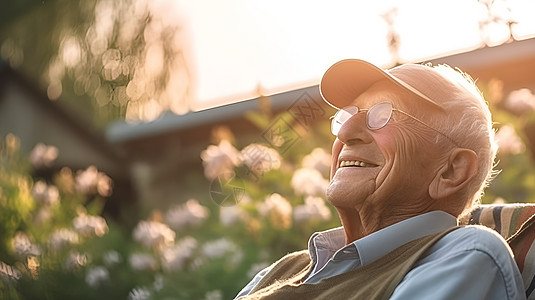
{"x":469,"y":123}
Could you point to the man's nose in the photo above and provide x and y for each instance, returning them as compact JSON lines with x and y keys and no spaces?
{"x":355,"y":131}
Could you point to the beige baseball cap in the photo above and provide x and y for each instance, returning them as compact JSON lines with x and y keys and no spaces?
{"x":344,"y":81}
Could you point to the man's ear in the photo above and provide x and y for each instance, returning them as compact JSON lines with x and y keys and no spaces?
{"x":455,"y":174}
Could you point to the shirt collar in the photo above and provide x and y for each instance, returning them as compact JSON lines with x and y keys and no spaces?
{"x":332,"y":240}
{"x":381,"y":242}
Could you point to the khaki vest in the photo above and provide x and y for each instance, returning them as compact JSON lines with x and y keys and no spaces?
{"x":376,"y":280}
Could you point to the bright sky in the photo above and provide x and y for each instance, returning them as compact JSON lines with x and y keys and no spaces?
{"x":235,"y":46}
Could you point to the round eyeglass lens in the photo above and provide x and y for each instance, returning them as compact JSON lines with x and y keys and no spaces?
{"x":341,"y":117}
{"x":379,"y":115}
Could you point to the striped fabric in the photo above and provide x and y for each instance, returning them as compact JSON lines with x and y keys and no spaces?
{"x":515,"y":222}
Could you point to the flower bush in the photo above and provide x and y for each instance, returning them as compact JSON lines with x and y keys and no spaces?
{"x":57,"y":245}
{"x":263,"y":203}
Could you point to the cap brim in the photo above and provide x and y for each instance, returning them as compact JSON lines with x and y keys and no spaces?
{"x":344,"y":81}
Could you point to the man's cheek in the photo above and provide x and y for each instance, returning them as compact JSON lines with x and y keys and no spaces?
{"x":336,"y":148}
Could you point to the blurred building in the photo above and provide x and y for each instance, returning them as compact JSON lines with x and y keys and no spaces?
{"x":165,"y":153}
{"x":512,"y":63}
{"x":26,"y":112}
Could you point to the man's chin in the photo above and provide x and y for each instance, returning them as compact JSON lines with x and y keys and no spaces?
{"x":338,"y":194}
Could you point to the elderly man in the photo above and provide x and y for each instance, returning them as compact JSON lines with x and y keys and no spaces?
{"x":414,"y":150}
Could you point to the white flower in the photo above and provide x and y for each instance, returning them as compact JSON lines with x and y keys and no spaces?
{"x":309,"y":182}
{"x":213,"y":295}
{"x":189,"y":213}
{"x":63,"y":237}
{"x":139,"y":293}
{"x":218,"y":248}
{"x":175,"y":257}
{"x":46,"y":194}
{"x":158,"y":282}
{"x":111,"y":258}
{"x":220,"y":160}
{"x":90,"y":225}
{"x":508,"y":141}
{"x":43,"y":155}
{"x":142,"y":261}
{"x":520,"y":101}
{"x":86,"y":181}
{"x":92,"y":181}
{"x":260,"y":159}
{"x":75,"y":260}
{"x":313,"y":209}
{"x":318,"y":159}
{"x":153,"y":234}
{"x":96,"y":276}
{"x":23,"y":246}
{"x":229,"y":215}
{"x":278,"y":209}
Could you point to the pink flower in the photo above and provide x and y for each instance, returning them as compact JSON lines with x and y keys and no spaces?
{"x":90,"y":225}
{"x":23,"y":246}
{"x":142,"y":262}
{"x":220,"y":160}
{"x":260,"y":159}
{"x":313,"y":209}
{"x":63,"y":237}
{"x":318,"y":159}
{"x":519,"y":101}
{"x":187,"y":214}
{"x":508,"y":141}
{"x":46,"y":194}
{"x":229,"y":215}
{"x":43,"y":155}
{"x":175,"y":257}
{"x":92,"y":181}
{"x":309,"y":182}
{"x":277,"y":209}
{"x":153,"y":234}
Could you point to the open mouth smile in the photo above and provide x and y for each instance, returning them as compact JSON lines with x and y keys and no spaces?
{"x":355,"y":163}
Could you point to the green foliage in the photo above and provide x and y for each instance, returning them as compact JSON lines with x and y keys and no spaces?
{"x":203,"y":256}
{"x":91,"y":56}
{"x":15,"y":198}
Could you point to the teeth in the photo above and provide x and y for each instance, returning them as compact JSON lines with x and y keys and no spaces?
{"x":353,"y":163}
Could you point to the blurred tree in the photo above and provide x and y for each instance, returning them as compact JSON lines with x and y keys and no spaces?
{"x":104,"y":59}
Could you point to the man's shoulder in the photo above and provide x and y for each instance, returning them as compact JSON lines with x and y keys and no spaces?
{"x":463,"y":264}
{"x":301,"y":256}
{"x":472,"y":238}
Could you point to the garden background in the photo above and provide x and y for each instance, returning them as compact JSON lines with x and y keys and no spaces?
{"x":112,"y":187}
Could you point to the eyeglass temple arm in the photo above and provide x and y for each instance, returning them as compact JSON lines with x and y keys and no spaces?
{"x":426,"y":125}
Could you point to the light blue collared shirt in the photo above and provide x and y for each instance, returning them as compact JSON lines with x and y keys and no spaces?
{"x":446,"y":272}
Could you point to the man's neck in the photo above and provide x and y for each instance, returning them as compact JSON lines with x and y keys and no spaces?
{"x":360,"y":224}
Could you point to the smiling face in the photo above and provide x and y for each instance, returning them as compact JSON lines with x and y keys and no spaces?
{"x":386,"y":171}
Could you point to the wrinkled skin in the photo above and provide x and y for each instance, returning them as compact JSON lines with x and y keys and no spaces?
{"x":402,"y":164}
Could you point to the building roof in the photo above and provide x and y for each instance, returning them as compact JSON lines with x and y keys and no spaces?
{"x":513,"y":62}
{"x":122,"y":131}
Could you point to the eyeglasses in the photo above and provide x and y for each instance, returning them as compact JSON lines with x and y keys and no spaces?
{"x":376,"y":118}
